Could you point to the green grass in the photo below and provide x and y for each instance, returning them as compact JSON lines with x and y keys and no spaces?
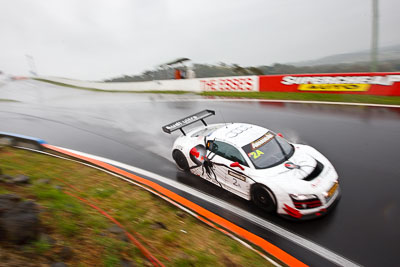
{"x":198,"y":258}
{"x":40,"y":246}
{"x":387,"y":100}
{"x":110,"y":260}
{"x":57,"y":201}
{"x":68,"y":227}
{"x":7,"y":100}
{"x":84,"y":229}
{"x":112,"y":248}
{"x":4,"y":191}
{"x":103,"y":192}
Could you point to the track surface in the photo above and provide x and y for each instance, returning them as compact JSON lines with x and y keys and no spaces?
{"x":361,"y":142}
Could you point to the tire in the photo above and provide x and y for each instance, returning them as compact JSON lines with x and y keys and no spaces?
{"x":180,"y":160}
{"x":263,"y":198}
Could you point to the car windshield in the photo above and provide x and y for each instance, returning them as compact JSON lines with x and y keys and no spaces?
{"x":269,"y":150}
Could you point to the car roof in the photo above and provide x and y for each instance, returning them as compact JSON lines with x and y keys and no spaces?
{"x":239,"y":134}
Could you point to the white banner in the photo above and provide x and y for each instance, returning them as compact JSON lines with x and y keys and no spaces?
{"x":237,"y":84}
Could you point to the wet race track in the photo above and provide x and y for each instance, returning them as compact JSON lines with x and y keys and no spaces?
{"x":361,"y":142}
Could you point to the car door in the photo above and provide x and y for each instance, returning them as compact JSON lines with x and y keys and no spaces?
{"x":233,"y":179}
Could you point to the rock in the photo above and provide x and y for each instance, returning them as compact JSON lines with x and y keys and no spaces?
{"x":228,"y":262}
{"x":127,"y":263}
{"x":158,"y":225}
{"x":6,"y":179}
{"x":48,"y":239}
{"x":7,"y":202}
{"x":123,"y":237}
{"x":21,"y":179}
{"x":27,"y":251}
{"x":65,"y":253}
{"x":115,"y":229}
{"x":58,"y":264}
{"x":184,"y":256}
{"x":10,"y":197}
{"x":19,"y":223}
{"x":102,"y":234}
{"x":58,"y":187}
{"x":180,"y":214}
{"x":6,"y":141}
{"x":43,"y":181}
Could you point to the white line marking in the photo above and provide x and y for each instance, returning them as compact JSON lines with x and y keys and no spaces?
{"x":301,"y":241}
{"x":183,"y":99}
{"x":299,"y":102}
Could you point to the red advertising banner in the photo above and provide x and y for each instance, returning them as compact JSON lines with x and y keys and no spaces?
{"x":382,"y":83}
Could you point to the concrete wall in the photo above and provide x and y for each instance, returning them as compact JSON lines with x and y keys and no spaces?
{"x":240,"y":83}
{"x":386,"y":84}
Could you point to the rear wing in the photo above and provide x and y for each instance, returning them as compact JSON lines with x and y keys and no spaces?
{"x":179,"y":124}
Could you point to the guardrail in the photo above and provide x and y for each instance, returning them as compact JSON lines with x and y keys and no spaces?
{"x":21,"y":141}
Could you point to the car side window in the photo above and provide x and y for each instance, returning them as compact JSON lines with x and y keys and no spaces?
{"x":227,"y":151}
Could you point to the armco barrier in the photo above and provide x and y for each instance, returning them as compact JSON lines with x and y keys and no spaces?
{"x":386,"y":84}
{"x":21,"y":140}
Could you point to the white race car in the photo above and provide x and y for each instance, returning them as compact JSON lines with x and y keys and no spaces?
{"x":257,"y":164}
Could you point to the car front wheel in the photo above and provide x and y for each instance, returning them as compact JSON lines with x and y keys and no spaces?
{"x":263,"y":198}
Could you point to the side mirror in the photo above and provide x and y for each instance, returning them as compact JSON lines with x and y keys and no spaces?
{"x":236,"y":164}
{"x":210,"y":145}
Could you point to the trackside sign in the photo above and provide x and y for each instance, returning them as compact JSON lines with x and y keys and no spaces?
{"x":362,"y":83}
{"x":238,"y":83}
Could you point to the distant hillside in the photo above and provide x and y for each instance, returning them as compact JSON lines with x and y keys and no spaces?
{"x":389,"y":61}
{"x":385,"y":54}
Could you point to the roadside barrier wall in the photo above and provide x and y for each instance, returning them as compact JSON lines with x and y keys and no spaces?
{"x":382,"y":83}
{"x":387,"y":84}
{"x":238,"y":83}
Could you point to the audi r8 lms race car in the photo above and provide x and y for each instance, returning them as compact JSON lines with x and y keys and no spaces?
{"x":257,"y":164}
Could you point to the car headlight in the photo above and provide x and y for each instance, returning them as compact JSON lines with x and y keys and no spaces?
{"x":305,"y":201}
{"x":302,"y":197}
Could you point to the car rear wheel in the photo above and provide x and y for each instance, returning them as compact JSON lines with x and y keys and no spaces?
{"x":263,"y":197}
{"x":180,"y":160}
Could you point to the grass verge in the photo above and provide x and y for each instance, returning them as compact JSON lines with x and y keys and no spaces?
{"x":7,"y":100}
{"x":383,"y":100}
{"x":172,"y":236}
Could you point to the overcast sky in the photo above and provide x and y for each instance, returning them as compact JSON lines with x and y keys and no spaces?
{"x":101,"y":39}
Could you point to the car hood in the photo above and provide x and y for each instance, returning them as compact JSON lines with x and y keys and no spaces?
{"x":299,"y":166}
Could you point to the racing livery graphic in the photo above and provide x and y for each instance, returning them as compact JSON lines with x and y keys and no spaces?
{"x":257,"y":164}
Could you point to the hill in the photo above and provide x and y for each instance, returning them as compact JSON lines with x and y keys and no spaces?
{"x":389,"y":61}
{"x":388,"y":53}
